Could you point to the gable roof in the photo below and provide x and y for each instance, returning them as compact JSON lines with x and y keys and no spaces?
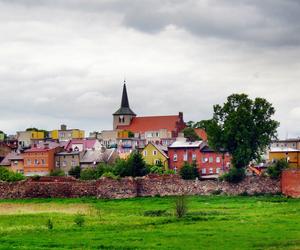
{"x":10,"y":157}
{"x":152,"y":123}
{"x":201,"y":133}
{"x":160,"y":148}
{"x":97,"y":156}
{"x":86,"y":143}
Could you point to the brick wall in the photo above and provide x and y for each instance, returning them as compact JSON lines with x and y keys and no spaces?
{"x":290,"y":182}
{"x":152,"y":185}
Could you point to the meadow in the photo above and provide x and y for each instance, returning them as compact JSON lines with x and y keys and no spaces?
{"x":212,"y":222}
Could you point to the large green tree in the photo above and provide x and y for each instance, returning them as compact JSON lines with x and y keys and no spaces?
{"x":190,"y":134}
{"x":243,"y":127}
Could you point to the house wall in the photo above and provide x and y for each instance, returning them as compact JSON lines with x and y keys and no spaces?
{"x":116,"y":120}
{"x":66,"y":162}
{"x":211,"y":167}
{"x":290,"y":182}
{"x":150,"y":158}
{"x":17,"y":166}
{"x":293,"y":157}
{"x":30,"y":168}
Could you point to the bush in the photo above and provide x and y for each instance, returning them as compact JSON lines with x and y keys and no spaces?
{"x":275,"y":170}
{"x":89,"y":174}
{"x":95,"y":173}
{"x":155,"y":213}
{"x":188,"y":172}
{"x":235,"y":175}
{"x":7,"y":175}
{"x":180,"y":206}
{"x":110,"y":175}
{"x":49,"y":224}
{"x":57,"y":172}
{"x":156,"y":170}
{"x":75,"y":172}
{"x":79,"y":220}
{"x":169,"y":171}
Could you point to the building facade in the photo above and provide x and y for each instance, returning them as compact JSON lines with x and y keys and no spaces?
{"x":153,"y":154}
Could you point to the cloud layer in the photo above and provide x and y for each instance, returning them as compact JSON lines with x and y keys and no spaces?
{"x":64,"y":61}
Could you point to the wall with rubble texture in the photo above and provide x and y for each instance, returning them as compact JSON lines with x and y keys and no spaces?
{"x":151,"y":185}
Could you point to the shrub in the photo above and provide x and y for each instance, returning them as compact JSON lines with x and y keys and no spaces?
{"x":7,"y":175}
{"x":88,"y":174}
{"x":156,"y":170}
{"x":110,"y":175}
{"x":235,"y":175}
{"x":180,"y":206}
{"x":79,"y":220}
{"x":188,"y":172}
{"x":49,"y":224}
{"x":275,"y":170}
{"x":75,"y":172}
{"x":169,"y":171}
{"x":57,"y":172}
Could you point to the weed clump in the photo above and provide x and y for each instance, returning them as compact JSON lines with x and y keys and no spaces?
{"x":181,"y":206}
{"x":79,"y":220}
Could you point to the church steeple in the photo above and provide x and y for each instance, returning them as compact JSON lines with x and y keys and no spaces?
{"x":124,"y":102}
{"x":125,"y":108}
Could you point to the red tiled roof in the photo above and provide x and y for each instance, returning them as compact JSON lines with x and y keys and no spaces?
{"x":151,"y":123}
{"x":201,"y":133}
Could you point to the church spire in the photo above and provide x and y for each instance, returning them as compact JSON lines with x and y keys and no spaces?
{"x":124,"y":102}
{"x":125,"y":108}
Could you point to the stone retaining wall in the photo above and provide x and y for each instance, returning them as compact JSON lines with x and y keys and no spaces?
{"x":129,"y":187}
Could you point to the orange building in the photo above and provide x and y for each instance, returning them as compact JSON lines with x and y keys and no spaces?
{"x":40,"y":161}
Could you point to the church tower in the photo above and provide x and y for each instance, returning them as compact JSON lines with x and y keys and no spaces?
{"x":124,"y":114}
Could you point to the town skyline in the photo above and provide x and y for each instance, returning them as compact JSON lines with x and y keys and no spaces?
{"x":64,"y":62}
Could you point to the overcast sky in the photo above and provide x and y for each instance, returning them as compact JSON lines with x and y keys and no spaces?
{"x":64,"y":61}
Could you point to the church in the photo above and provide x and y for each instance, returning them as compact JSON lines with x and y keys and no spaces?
{"x":132,"y":131}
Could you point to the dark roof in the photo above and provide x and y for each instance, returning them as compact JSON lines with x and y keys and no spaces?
{"x":125,"y":108}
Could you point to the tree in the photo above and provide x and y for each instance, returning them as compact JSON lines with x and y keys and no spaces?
{"x":75,"y":172}
{"x":137,"y":164}
{"x":275,"y":170}
{"x":189,"y":172}
{"x":243,"y":127}
{"x":190,"y":134}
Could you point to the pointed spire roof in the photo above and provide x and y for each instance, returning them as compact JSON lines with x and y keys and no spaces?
{"x":125,"y":108}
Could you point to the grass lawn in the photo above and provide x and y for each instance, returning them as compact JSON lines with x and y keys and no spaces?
{"x":213,"y":222}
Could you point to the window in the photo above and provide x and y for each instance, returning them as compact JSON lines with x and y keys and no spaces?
{"x":157,"y":134}
{"x":211,"y":170}
{"x":185,"y":157}
{"x":218,"y":170}
{"x":57,"y":164}
{"x":64,"y":163}
{"x":194,"y":157}
{"x":211,"y":159}
{"x":203,"y":170}
{"x":218,"y":159}
{"x":175,"y":157}
{"x":154,"y":152}
{"x":204,"y":159}
{"x":73,"y":163}
{"x":28,"y":162}
{"x":43,"y":162}
{"x":16,"y":163}
{"x":36,"y":162}
{"x":145,"y":153}
{"x":156,"y":161}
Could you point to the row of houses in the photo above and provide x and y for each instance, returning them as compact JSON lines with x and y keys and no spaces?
{"x":44,"y":157}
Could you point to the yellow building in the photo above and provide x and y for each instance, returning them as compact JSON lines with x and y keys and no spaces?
{"x":37,"y":135}
{"x":153,"y":153}
{"x":291,"y":155}
{"x":65,"y":134}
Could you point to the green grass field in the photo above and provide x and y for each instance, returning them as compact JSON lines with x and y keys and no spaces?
{"x":214,"y":222}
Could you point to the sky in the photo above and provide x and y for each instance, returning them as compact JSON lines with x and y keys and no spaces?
{"x":64,"y":61}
